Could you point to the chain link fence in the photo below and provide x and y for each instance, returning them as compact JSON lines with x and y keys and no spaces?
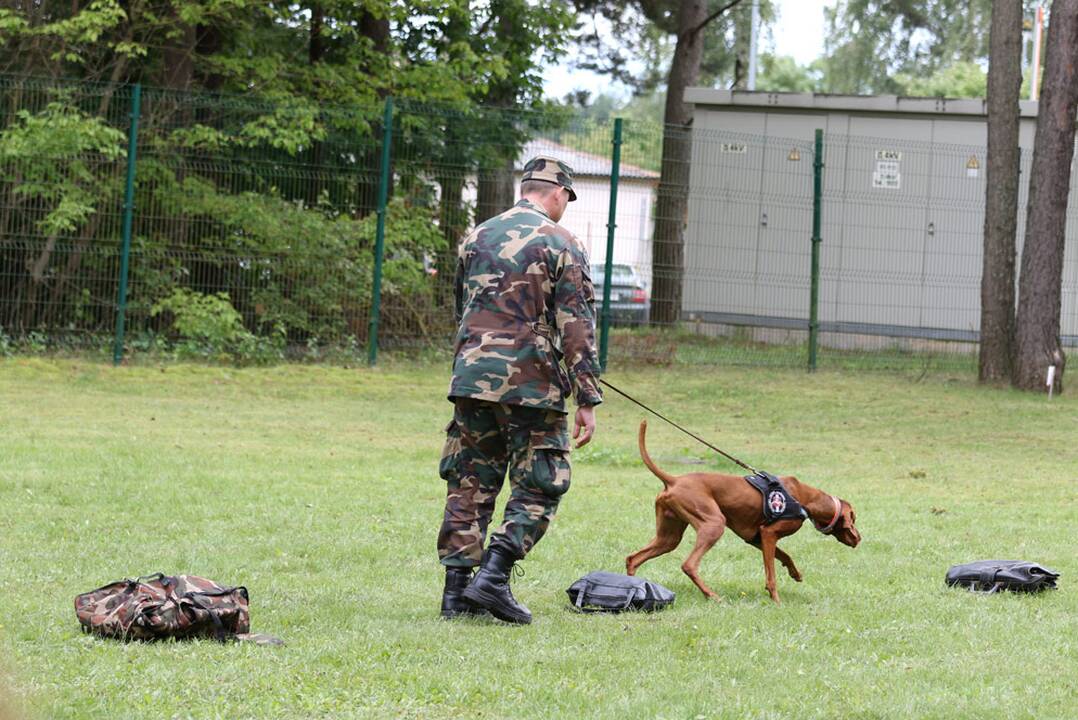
{"x":268,"y":229}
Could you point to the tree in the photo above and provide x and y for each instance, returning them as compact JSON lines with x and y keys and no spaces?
{"x":870,"y":42}
{"x":687,"y":21}
{"x":961,"y":80}
{"x":259,"y":135}
{"x":1001,"y":193}
{"x":1041,"y":279}
{"x":516,"y":32}
{"x":779,"y":73}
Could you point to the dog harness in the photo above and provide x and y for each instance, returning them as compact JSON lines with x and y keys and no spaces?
{"x":779,"y":504}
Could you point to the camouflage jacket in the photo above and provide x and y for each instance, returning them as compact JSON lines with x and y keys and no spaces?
{"x":524,"y":302}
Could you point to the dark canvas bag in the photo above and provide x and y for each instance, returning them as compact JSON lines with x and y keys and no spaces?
{"x":989,"y":576}
{"x":159,"y":606}
{"x":610,"y":592}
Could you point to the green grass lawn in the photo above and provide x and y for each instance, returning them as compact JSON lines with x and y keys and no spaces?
{"x":317,"y":489}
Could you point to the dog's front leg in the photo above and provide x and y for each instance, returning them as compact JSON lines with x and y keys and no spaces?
{"x":768,"y":539}
{"x":788,"y":562}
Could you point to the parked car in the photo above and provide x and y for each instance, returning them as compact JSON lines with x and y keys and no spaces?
{"x":630,"y":303}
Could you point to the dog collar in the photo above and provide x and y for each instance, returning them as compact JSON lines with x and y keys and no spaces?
{"x":827,"y":529}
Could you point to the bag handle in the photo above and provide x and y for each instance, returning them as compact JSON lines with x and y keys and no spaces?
{"x":154,"y":576}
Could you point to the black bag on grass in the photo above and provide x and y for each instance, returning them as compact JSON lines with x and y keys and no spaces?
{"x":613,"y":593}
{"x":989,"y":576}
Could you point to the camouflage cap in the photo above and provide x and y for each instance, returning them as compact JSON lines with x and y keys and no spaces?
{"x":552,"y":170}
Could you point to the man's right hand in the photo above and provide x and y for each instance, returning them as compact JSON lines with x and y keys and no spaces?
{"x":584,"y":427}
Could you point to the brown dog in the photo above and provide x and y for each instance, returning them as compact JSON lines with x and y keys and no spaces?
{"x":712,"y":502}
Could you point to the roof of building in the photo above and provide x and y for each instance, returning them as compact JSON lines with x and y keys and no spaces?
{"x":584,"y":164}
{"x":856,"y":103}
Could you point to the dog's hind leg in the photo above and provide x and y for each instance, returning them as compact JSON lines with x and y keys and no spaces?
{"x":708,"y":532}
{"x":669,"y":529}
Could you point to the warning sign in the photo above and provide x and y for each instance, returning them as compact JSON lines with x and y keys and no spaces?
{"x":973,"y":165}
{"x":887,"y":175}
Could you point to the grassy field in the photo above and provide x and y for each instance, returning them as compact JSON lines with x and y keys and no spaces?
{"x":316,"y":488}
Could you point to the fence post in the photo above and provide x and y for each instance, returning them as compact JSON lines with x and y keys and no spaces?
{"x":615,"y":168}
{"x":380,"y":237}
{"x":129,"y":211}
{"x":817,"y":203}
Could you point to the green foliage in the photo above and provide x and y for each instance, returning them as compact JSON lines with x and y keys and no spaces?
{"x":872,"y":44}
{"x":302,"y":272}
{"x":210,"y":327}
{"x":61,"y":158}
{"x":962,"y":80}
{"x":644,"y":34}
{"x":779,"y":73}
{"x":204,"y":318}
{"x":411,"y":236}
{"x":258,"y":145}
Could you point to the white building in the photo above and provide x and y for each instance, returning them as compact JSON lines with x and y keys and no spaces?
{"x":587,"y":217}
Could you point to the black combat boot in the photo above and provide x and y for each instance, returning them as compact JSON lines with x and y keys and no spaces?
{"x":489,"y":589}
{"x":453,"y":605}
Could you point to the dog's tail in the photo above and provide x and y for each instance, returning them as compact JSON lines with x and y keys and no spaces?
{"x":667,"y":478}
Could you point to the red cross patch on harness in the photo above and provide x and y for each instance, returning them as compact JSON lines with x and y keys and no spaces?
{"x":776,"y":501}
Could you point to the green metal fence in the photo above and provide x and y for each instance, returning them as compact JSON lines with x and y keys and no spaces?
{"x":146,"y":220}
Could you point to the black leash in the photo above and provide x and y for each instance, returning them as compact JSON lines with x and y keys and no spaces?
{"x":629,"y":397}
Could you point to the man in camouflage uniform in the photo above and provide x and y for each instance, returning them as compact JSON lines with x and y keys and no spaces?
{"x":524,"y":303}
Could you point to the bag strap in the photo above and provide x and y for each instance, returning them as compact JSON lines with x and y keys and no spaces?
{"x":218,"y":627}
{"x":587,"y":586}
{"x":580,"y":595}
{"x":996,"y":587}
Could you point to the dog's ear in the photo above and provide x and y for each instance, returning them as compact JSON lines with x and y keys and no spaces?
{"x":853,"y":515}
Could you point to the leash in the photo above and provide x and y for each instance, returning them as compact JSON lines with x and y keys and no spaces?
{"x":630,"y":398}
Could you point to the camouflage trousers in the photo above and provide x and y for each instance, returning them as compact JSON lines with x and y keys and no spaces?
{"x":483,"y":442}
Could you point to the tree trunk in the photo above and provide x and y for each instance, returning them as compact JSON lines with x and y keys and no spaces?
{"x":376,"y":30}
{"x":453,"y":220}
{"x":673,"y":198}
{"x":1041,"y":281}
{"x":495,"y":191}
{"x":177,"y":56}
{"x":1001,"y":194}
{"x":211,"y":40}
{"x":316,"y":51}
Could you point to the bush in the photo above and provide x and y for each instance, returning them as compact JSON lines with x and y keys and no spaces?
{"x":209,"y":327}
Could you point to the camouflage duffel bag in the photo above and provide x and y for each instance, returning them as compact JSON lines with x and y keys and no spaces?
{"x":161,"y":606}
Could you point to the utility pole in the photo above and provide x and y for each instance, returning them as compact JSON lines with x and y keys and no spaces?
{"x":753,"y":44}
